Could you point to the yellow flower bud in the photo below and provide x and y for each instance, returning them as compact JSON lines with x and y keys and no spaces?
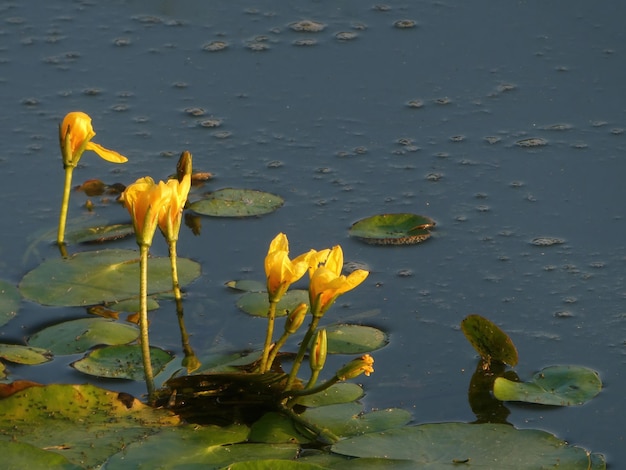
{"x":319,"y":348}
{"x":280,"y":271}
{"x":296,"y":318}
{"x":356,"y":367}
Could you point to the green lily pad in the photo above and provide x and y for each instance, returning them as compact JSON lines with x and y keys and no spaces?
{"x":392,"y":229}
{"x":95,"y":277}
{"x":354,"y":339}
{"x":132,"y":305}
{"x":83,"y":423}
{"x":99,"y":234}
{"x":77,"y":336}
{"x":247,"y":286}
{"x":256,"y":303}
{"x":231,"y":202}
{"x":209,"y":447}
{"x":273,"y":464}
{"x":16,"y":455}
{"x":348,"y":419}
{"x":443,"y":445}
{"x":342,"y":392}
{"x":121,"y":362}
{"x":554,"y":385}
{"x":491,"y":342}
{"x":24,"y":354}
{"x":9,"y":301}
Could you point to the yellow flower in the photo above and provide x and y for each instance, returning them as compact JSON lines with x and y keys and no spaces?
{"x":280,"y":271}
{"x":327,"y":282}
{"x":145,"y":200}
{"x":75,"y":136}
{"x":356,"y":367}
{"x":170,"y":215}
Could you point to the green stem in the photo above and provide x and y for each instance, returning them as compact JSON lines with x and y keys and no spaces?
{"x":321,"y":434}
{"x":65,"y":205}
{"x":271,"y":317}
{"x":143,"y":319}
{"x":294,"y":394}
{"x":301,"y":352}
{"x":279,"y":344}
{"x":314,"y":375}
{"x":174,"y":264}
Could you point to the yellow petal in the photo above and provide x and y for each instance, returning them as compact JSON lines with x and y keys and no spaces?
{"x":78,"y":124}
{"x":108,"y":155}
{"x":334,"y":262}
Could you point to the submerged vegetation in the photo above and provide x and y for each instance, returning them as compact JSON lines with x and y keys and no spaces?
{"x":253,"y":409}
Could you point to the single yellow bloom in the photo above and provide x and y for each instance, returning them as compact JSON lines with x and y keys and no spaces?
{"x":327,"y":282}
{"x":75,"y":136}
{"x":170,"y":215}
{"x":144,"y":200}
{"x":356,"y":367}
{"x":280,"y":271}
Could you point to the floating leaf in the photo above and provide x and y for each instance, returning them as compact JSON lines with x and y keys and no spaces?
{"x":231,"y":202}
{"x":554,"y":385}
{"x":354,"y":339}
{"x":84,"y":423}
{"x":210,"y":447}
{"x":24,"y":354}
{"x":393,"y":229}
{"x":342,"y":392}
{"x":19,"y":455}
{"x":99,"y":234}
{"x":95,"y":277}
{"x":256,"y":303}
{"x":9,"y":301}
{"x":276,"y":428}
{"x":247,"y":286}
{"x":132,"y":305}
{"x":444,"y":445}
{"x":275,"y":464}
{"x":121,"y":362}
{"x":490,"y":341}
{"x":76,"y":336}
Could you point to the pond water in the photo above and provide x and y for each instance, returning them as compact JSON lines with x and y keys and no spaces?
{"x":422,"y":107}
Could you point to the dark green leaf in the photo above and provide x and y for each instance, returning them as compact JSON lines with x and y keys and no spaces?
{"x":231,"y":202}
{"x":393,"y":229}
{"x":491,"y":342}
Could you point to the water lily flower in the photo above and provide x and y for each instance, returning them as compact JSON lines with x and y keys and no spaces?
{"x":171,"y":214}
{"x":281,"y":272}
{"x":145,"y":200}
{"x":327,"y":282}
{"x":356,"y":367}
{"x":75,"y":136}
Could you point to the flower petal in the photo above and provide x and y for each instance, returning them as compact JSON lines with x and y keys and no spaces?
{"x":108,"y":155}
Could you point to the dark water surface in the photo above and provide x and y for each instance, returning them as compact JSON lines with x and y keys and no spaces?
{"x":363,"y":117}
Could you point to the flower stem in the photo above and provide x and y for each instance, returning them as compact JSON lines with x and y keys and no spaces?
{"x":174,"y":264}
{"x":275,"y":349}
{"x":65,"y":205}
{"x":303,"y":347}
{"x":143,"y":319}
{"x":271,"y":317}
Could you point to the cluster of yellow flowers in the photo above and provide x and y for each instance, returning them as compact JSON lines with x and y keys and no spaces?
{"x":161,"y":204}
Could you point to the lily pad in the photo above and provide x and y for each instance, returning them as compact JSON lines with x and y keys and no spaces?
{"x":77,"y":336}
{"x":256,"y":303}
{"x":342,"y":392}
{"x":95,"y":277}
{"x":121,"y":362}
{"x":554,"y":385}
{"x":9,"y":301}
{"x":83,"y":423}
{"x":19,"y":354}
{"x":19,"y":455}
{"x":444,"y":445}
{"x":491,"y":342}
{"x":393,"y":229}
{"x":99,"y":234}
{"x":232,"y":202}
{"x":354,"y":339}
{"x":246,"y":285}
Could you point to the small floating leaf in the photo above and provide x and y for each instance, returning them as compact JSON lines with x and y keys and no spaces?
{"x":354,"y":339}
{"x":342,"y":392}
{"x":24,"y":354}
{"x":9,"y":301}
{"x":491,"y":342}
{"x":121,"y":362}
{"x":231,"y":202}
{"x":256,"y":303}
{"x":247,"y":285}
{"x":393,"y":229}
{"x":76,"y":336}
{"x":555,"y":385}
{"x":94,"y":277}
{"x":100,"y":234}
